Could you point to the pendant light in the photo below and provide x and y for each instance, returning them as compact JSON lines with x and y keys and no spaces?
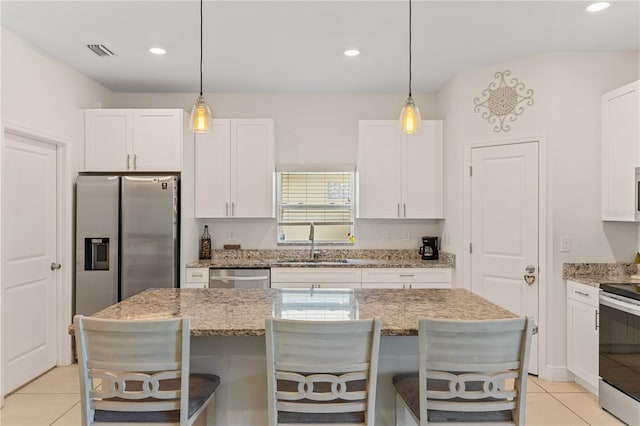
{"x":200,"y":121}
{"x":410,"y":121}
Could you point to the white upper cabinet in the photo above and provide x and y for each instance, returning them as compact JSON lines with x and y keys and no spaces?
{"x":234,"y":169}
{"x":399,"y":175}
{"x":134,"y":139}
{"x":620,"y":152}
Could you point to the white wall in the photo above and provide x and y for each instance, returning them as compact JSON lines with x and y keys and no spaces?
{"x":45,"y":97}
{"x":566,"y":113}
{"x":311,"y":129}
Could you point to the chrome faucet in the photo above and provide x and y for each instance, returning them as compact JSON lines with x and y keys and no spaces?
{"x":312,"y":238}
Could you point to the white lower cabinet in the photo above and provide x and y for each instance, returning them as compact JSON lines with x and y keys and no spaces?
{"x":407,"y":278}
{"x":315,"y":278}
{"x":582,"y":334}
{"x":391,"y":278}
{"x":197,"y":278}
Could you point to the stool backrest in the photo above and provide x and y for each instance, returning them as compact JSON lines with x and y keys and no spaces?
{"x":324,"y":367}
{"x":143,"y":365}
{"x":464,"y":366}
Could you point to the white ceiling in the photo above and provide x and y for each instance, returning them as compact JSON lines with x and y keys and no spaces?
{"x":296,"y":46}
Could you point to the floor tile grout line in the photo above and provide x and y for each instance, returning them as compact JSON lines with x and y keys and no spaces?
{"x":569,"y":408}
{"x":62,"y":415}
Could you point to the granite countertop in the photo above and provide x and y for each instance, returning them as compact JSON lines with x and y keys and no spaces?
{"x":241,"y":312}
{"x":594,"y":274}
{"x":327,"y":258}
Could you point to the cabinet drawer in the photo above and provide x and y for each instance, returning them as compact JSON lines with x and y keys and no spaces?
{"x":406,"y":275}
{"x":314,"y":285}
{"x":412,"y":285}
{"x":316,"y":275}
{"x":197,"y":275}
{"x":583,"y":293}
{"x":194,"y":285}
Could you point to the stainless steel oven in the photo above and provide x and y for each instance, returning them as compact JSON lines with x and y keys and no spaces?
{"x":619,"y":351}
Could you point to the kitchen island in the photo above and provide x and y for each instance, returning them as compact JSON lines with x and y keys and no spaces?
{"x":227,"y":329}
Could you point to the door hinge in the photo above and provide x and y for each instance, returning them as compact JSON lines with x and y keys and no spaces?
{"x":470,"y":171}
{"x":535,"y":329}
{"x":470,"y":248}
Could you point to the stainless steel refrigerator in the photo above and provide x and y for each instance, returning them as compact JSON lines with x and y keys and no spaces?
{"x":127,"y":237}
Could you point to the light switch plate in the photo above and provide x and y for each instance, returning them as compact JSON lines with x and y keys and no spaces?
{"x":565,"y":244}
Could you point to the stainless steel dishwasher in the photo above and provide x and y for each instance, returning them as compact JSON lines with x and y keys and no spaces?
{"x":239,"y":278}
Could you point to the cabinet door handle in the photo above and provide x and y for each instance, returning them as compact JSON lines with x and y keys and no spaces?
{"x":398,"y":209}
{"x":597,"y":317}
{"x":233,"y":208}
{"x":407,"y":275}
{"x":128,"y":161}
{"x":581,"y":293}
{"x":197,"y":275}
{"x":226,"y":209}
{"x":135,"y":162}
{"x":404,"y":205}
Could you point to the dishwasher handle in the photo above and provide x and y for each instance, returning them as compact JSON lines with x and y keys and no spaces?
{"x":226,"y":278}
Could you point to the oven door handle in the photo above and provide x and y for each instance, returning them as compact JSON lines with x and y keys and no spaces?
{"x":620,"y":305}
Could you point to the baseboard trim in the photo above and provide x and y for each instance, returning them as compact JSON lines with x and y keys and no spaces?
{"x":555,"y":374}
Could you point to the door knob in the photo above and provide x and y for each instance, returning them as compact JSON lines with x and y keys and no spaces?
{"x":55,"y":266}
{"x":530,"y":269}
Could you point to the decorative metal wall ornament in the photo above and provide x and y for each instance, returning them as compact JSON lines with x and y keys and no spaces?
{"x":505,"y":101}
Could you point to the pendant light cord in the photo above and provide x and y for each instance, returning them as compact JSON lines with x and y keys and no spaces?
{"x":409,"y":48}
{"x":201,"y":47}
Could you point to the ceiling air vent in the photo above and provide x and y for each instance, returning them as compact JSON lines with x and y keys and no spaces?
{"x":100,"y":49}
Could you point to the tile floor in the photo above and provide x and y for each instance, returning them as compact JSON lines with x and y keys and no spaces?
{"x":54,"y":400}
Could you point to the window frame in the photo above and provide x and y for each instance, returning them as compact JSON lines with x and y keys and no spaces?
{"x":351,"y":206}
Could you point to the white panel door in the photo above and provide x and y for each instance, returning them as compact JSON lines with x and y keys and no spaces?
{"x":379,"y":169}
{"x":504,"y":228}
{"x":252,"y":168}
{"x":29,"y":250}
{"x":107,"y":140}
{"x":157,"y":140}
{"x":212,"y":171}
{"x":423,"y":173}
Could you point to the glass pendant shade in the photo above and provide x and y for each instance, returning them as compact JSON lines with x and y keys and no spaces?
{"x":410,"y":121}
{"x":200,"y":121}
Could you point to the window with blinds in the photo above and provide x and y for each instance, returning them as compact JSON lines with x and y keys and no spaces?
{"x":325,"y":199}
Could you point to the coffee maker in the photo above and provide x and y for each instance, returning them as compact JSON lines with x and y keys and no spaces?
{"x":429,"y":249}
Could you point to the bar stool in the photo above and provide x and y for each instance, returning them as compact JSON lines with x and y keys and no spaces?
{"x":462,"y":373}
{"x":144,"y":369}
{"x":321,"y":372}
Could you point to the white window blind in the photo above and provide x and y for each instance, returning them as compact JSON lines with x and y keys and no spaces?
{"x":322,"y":198}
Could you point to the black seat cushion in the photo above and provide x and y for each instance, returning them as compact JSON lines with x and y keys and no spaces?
{"x":201,"y":386}
{"x":407,"y":386}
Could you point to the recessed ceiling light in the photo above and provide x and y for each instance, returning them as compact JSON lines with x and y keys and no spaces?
{"x":157,"y":51}
{"x":351,"y":52}
{"x":597,"y":7}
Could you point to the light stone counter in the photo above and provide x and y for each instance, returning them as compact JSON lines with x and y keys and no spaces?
{"x":241,"y":312}
{"x":340,"y":258}
{"x":594,"y":274}
{"x":228,"y":333}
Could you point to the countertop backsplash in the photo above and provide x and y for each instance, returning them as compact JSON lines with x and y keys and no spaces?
{"x":388,"y":258}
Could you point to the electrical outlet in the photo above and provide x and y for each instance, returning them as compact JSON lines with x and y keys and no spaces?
{"x":406,"y":235}
{"x":386,"y":236}
{"x":565,"y":244}
{"x":230,"y":236}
